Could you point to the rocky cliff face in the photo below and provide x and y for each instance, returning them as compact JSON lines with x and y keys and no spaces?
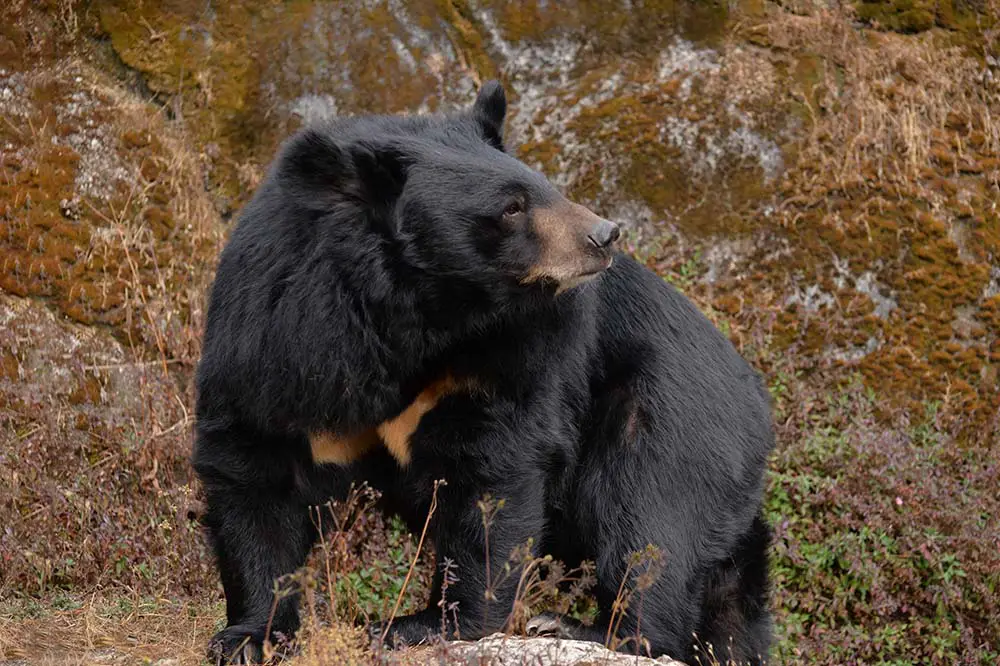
{"x":754,"y":138}
{"x":822,"y":180}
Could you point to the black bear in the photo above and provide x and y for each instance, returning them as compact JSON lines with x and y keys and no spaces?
{"x":404,"y":301}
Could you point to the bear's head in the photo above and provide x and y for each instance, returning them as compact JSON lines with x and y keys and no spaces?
{"x":445,"y":201}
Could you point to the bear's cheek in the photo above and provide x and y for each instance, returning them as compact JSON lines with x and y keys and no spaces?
{"x":511,"y":256}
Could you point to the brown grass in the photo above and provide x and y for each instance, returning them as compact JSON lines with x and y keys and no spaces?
{"x":878,"y":102}
{"x":121,"y":627}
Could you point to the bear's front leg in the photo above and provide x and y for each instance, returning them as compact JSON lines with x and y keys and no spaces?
{"x":474,"y":540}
{"x":260,"y":528}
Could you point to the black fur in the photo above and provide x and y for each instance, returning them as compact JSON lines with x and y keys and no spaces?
{"x":376,"y":257}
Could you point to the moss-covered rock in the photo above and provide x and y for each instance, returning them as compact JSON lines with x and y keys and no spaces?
{"x":712,"y":121}
{"x":102,"y":209}
{"x":244,"y":73}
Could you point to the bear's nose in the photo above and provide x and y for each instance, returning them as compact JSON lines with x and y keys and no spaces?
{"x":604,"y":234}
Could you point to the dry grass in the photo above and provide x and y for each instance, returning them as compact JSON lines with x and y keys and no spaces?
{"x":878,"y":102}
{"x":119,"y":628}
{"x":169,"y":301}
{"x":333,"y":613}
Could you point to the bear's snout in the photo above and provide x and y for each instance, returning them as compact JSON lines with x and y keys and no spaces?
{"x":575,"y":244}
{"x":604,"y":234}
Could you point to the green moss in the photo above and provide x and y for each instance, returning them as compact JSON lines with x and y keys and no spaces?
{"x":927,"y":234}
{"x":198,"y":60}
{"x":659,"y":174}
{"x":911,"y":16}
{"x":900,"y":15}
{"x":614,"y":27}
{"x":468,"y":36}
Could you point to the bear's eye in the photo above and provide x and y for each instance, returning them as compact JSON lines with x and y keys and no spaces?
{"x":515,"y":207}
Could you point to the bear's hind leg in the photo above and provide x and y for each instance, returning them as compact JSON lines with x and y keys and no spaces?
{"x":736,"y":621}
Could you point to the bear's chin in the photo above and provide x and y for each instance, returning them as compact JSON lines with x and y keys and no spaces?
{"x":566,"y":284}
{"x":571,"y":283}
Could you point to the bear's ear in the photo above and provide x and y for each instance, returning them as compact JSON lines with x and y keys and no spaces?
{"x":380,"y":169}
{"x":489,"y":112}
{"x":312,"y":169}
{"x":318,"y":173}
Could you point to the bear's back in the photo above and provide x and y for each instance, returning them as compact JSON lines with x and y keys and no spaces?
{"x":646,"y":324}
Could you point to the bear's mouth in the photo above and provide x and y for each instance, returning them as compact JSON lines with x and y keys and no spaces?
{"x":606,"y":262}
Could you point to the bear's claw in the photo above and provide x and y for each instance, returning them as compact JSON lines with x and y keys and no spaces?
{"x":547,"y":624}
{"x":235,"y":645}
